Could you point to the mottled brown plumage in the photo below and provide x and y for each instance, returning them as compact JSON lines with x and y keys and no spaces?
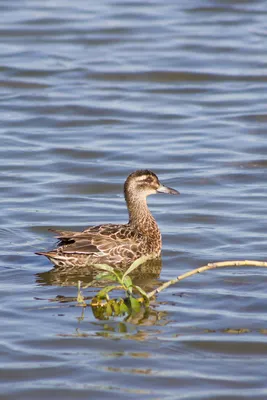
{"x":117,"y":245}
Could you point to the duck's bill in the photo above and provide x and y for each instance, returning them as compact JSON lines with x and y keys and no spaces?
{"x":165,"y":189}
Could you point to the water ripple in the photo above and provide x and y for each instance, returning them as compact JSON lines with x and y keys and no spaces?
{"x":89,"y":93}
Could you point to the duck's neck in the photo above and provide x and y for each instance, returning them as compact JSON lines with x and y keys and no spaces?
{"x":140,"y":217}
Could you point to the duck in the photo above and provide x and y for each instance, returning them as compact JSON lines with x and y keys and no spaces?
{"x":117,"y":245}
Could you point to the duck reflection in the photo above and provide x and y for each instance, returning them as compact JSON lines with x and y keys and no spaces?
{"x":146,"y":275}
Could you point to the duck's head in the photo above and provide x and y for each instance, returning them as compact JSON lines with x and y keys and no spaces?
{"x":142,"y":183}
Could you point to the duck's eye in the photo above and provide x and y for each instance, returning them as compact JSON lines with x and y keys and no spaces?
{"x":149,"y":179}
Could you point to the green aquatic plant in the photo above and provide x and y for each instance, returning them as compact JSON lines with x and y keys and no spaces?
{"x":104,"y":307}
{"x":102,"y":304}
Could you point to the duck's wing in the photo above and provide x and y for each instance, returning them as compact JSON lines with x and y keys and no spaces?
{"x":63,"y":234}
{"x":64,"y":237}
{"x":111,"y":241}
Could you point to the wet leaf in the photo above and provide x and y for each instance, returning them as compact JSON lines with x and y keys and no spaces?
{"x":105,"y":267}
{"x":95,"y":302}
{"x":108,"y":309}
{"x":134,"y":265}
{"x":130,"y":290}
{"x":127,"y":282}
{"x":103,"y":293}
{"x":99,"y":312}
{"x":123,"y":308}
{"x":105,"y":276}
{"x":115,"y":307}
{"x":135,"y":305}
{"x":142,"y":292}
{"x":118,"y":275}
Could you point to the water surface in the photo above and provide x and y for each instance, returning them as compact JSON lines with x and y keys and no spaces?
{"x":89,"y":93}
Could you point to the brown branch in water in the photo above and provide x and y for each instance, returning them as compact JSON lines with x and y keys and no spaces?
{"x":243,"y":263}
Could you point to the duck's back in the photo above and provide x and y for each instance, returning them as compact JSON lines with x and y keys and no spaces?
{"x":116,"y":245}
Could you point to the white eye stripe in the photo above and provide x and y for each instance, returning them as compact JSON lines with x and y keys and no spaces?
{"x":141,"y":178}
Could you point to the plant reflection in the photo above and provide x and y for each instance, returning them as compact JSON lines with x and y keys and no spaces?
{"x":146,"y":275}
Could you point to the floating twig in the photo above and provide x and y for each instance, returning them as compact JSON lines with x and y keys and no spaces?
{"x":221,"y":264}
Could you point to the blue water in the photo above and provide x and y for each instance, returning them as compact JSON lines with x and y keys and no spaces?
{"x":89,"y":93}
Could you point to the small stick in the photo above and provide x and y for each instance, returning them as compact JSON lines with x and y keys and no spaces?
{"x":243,"y":263}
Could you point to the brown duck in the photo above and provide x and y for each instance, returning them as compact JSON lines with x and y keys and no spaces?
{"x":117,"y":245}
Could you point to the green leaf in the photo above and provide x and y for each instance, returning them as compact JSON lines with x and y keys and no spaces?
{"x":135,"y":304}
{"x":127,"y":282}
{"x":130,"y":290}
{"x":104,"y":267}
{"x":105,"y":276}
{"x":103,"y":293}
{"x":134,"y":265}
{"x":118,"y":274}
{"x":99,"y":312}
{"x":108,"y":310}
{"x":142,"y":292}
{"x":123,"y":308}
{"x":116,"y":307}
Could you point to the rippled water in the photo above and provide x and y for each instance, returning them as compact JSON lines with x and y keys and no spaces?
{"x":89,"y":93}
